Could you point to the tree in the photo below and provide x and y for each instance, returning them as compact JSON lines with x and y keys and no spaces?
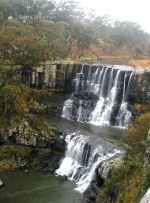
{"x":5,"y":11}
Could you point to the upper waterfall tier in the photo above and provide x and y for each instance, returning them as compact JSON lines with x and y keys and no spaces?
{"x":100,"y":95}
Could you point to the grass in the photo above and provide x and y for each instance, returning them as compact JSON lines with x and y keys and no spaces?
{"x":138,"y":64}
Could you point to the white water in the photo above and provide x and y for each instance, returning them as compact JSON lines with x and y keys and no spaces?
{"x":81,"y":160}
{"x":102,"y":112}
{"x":67,"y":109}
{"x":111,"y":85}
{"x":124,"y":115}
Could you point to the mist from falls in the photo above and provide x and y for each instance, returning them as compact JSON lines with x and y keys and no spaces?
{"x":100,"y":96}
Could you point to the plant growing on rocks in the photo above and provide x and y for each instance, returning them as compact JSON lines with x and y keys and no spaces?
{"x":129,"y":181}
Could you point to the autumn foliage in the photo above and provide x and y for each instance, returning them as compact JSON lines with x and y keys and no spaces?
{"x":130,"y":181}
{"x":138,"y":64}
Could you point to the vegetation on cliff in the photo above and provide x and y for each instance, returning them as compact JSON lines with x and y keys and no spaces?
{"x":140,"y":64}
{"x":130,"y":181}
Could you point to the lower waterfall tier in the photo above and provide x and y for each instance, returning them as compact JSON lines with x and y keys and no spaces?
{"x":82,"y":159}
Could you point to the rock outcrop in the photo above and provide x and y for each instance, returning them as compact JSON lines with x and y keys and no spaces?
{"x":56,"y":77}
{"x":107,"y":167}
{"x":25,"y":134}
{"x":30,"y":145}
{"x":140,"y":88}
{"x":104,"y":172}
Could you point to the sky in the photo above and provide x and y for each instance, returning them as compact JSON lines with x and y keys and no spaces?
{"x":137,"y":11}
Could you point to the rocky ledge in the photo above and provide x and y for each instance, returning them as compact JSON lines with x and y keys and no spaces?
{"x":31,"y":144}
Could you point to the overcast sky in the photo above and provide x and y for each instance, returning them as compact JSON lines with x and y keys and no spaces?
{"x":134,"y":10}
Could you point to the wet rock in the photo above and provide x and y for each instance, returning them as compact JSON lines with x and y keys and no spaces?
{"x":132,"y":109}
{"x":139,"y":88}
{"x":86,"y":95}
{"x":1,"y":183}
{"x":59,"y":144}
{"x":103,"y":173}
{"x":47,"y":160}
{"x":63,"y":178}
{"x":90,"y":195}
{"x":26,"y":171}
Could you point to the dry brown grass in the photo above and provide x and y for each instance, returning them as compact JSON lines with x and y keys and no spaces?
{"x":138,"y":64}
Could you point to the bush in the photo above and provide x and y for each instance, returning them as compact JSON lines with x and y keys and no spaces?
{"x":130,"y":181}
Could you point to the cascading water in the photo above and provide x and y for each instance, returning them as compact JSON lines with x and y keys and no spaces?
{"x":81,"y":159}
{"x":100,"y":96}
{"x":124,"y":115}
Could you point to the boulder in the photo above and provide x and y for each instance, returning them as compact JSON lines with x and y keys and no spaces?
{"x":1,"y":183}
{"x":59,"y":144}
{"x":26,"y":171}
{"x":63,"y":178}
{"x":107,"y":167}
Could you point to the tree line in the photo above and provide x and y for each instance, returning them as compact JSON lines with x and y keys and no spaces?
{"x":61,"y":30}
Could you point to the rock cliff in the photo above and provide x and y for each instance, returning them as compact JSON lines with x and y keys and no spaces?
{"x":31,"y":144}
{"x":59,"y":77}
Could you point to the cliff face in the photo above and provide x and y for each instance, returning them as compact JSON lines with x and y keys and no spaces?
{"x":60,"y":77}
{"x":140,"y":88}
{"x":51,"y":76}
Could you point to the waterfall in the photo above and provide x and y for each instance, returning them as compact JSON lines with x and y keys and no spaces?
{"x":104,"y":107}
{"x":124,"y":115}
{"x":100,"y":96}
{"x":81,"y":160}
